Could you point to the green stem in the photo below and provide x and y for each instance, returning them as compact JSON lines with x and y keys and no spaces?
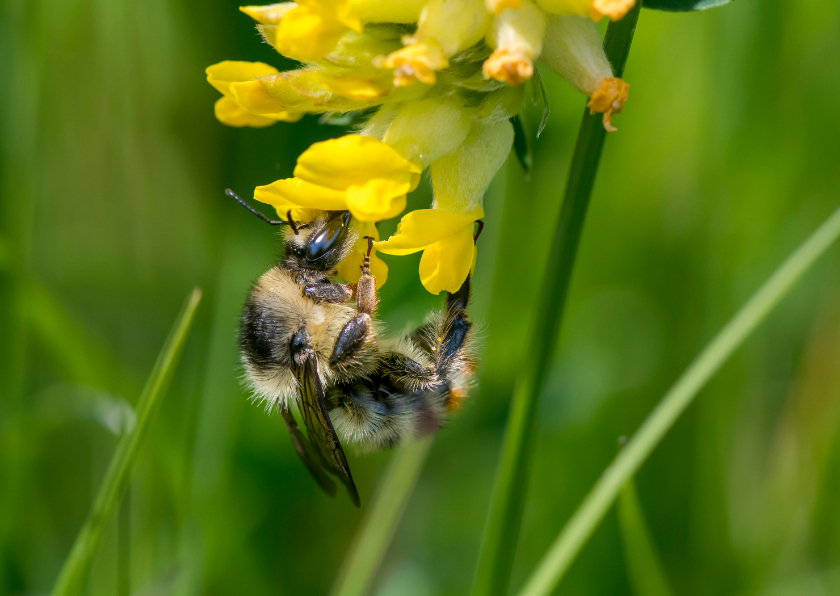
{"x":498,"y":546}
{"x":359,"y":568}
{"x":593,"y":508}
{"x":71,"y":579}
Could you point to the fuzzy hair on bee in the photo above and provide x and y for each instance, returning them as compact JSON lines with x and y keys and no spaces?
{"x":311,"y":342}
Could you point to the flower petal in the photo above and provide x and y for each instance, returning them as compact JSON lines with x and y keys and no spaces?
{"x":353,"y":160}
{"x":350,"y":269}
{"x":254,"y":98}
{"x":229,"y":112}
{"x":424,"y":227}
{"x":446,"y":264}
{"x":299,"y":193}
{"x":270,"y":14}
{"x":221,"y":75}
{"x":306,"y":33}
{"x":377,"y":200}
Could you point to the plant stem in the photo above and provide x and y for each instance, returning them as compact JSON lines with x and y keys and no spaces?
{"x":377,"y":529}
{"x":73,"y":573}
{"x":593,"y":508}
{"x":499,"y":544}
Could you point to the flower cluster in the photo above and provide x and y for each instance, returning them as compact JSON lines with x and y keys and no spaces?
{"x":438,"y":82}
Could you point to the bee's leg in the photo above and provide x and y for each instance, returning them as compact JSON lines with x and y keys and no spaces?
{"x":357,"y":330}
{"x":328,"y":292}
{"x":366,"y":300}
{"x":407,"y":372}
{"x":455,"y":326}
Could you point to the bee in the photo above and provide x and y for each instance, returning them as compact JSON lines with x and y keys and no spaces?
{"x":311,"y":342}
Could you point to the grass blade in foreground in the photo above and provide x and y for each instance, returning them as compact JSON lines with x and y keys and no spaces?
{"x":74,"y":571}
{"x":360,"y":565}
{"x":644,"y":568}
{"x":584,"y":521}
{"x":498,"y":547}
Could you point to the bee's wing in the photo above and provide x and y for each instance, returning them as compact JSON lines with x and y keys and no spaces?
{"x":310,"y":457}
{"x":313,"y":408}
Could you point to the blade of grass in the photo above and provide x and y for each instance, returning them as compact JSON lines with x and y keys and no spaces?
{"x":71,"y":578}
{"x":643,"y":565}
{"x":502,"y":530}
{"x":588,"y":515}
{"x":377,"y":528}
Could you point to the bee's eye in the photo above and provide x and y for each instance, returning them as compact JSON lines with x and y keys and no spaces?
{"x":330,"y":236}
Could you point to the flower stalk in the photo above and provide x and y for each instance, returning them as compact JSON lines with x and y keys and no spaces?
{"x":502,"y":530}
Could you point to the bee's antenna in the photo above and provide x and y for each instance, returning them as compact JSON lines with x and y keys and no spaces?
{"x":271,"y":222}
{"x":291,"y":222}
{"x":480,"y":223}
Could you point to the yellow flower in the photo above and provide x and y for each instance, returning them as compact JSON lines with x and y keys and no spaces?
{"x":318,"y":89}
{"x":415,"y":62}
{"x":608,"y":99}
{"x":446,"y":239}
{"x":445,"y":28}
{"x":573,"y":49}
{"x":516,"y":36}
{"x":445,"y":232}
{"x":312,"y":29}
{"x":230,"y":111}
{"x":360,"y":174}
{"x":350,"y":268}
{"x":594,"y":9}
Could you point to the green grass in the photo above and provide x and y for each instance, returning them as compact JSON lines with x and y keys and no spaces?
{"x":581,"y":525}
{"x":74,"y":572}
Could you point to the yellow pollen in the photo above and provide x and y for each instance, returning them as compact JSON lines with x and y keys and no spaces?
{"x":608,"y":99}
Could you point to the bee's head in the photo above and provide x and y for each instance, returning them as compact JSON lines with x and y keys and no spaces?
{"x":319,"y":242}
{"x":322,"y":242}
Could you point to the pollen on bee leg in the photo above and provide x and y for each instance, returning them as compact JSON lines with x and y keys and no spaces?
{"x":456,"y":399}
{"x":508,"y":66}
{"x":608,"y":99}
{"x":614,"y":9}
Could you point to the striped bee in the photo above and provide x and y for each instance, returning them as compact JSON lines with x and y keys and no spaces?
{"x":309,"y":341}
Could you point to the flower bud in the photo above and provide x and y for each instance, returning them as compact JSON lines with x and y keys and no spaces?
{"x":224,"y":75}
{"x":445,"y":28}
{"x":425,"y":130}
{"x":460,"y":178}
{"x":310,"y":30}
{"x":517,"y":37}
{"x":573,"y":49}
{"x":357,"y":50}
{"x":319,"y":89}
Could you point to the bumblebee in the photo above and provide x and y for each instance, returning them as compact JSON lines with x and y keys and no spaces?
{"x":310,"y":341}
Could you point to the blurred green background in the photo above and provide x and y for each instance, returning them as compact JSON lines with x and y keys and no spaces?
{"x":113,"y":168}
